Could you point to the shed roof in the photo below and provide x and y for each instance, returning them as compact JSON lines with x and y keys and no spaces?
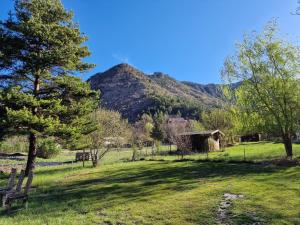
{"x":202,"y":133}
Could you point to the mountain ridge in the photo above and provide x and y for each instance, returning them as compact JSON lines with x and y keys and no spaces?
{"x":133,"y":92}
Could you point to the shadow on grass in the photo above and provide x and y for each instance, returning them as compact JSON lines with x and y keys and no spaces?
{"x":61,"y":169}
{"x":133,"y":182}
{"x":255,"y":143}
{"x":264,"y":216}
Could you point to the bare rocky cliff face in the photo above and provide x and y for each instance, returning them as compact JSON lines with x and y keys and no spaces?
{"x":122,"y":89}
{"x":132,"y":92}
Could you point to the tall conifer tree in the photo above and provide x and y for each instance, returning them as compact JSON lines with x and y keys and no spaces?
{"x":41,"y":49}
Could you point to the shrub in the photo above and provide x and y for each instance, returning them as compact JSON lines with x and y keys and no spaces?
{"x":48,"y":148}
{"x":134,"y":153}
{"x":157,"y":145}
{"x":5,"y":147}
{"x":14,"y":144}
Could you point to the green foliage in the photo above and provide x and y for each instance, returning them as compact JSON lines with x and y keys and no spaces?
{"x":175,"y":106}
{"x":110,"y":127}
{"x":157,"y":132}
{"x":148,"y":127}
{"x":141,"y":130}
{"x":48,"y":148}
{"x":221,"y":119}
{"x":41,"y":48}
{"x":134,"y":152}
{"x":5,"y":147}
{"x":196,"y":125}
{"x":216,"y":119}
{"x":14,"y":144}
{"x":157,"y":144}
{"x":38,"y":95}
{"x":268,"y":98}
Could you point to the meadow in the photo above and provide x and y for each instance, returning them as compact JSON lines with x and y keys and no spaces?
{"x":164,"y":190}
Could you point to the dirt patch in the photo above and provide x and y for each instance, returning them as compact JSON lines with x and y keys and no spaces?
{"x":286,"y":162}
{"x":7,"y":168}
{"x":223,"y":210}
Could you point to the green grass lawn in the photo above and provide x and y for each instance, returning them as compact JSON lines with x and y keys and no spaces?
{"x":113,"y":156}
{"x":255,"y":152}
{"x":162,"y":192}
{"x":259,"y":151}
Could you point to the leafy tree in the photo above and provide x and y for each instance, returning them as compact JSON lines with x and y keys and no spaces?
{"x":268,"y":68}
{"x":141,"y":131}
{"x":157,"y":131}
{"x":171,"y":130}
{"x":48,"y":148}
{"x":196,"y":125}
{"x":40,"y":48}
{"x":112,"y":131}
{"x":220,"y":119}
{"x":175,"y":106}
{"x":216,"y":119}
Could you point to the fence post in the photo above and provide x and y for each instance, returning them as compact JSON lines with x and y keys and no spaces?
{"x":244,"y":154}
{"x":83,"y":158}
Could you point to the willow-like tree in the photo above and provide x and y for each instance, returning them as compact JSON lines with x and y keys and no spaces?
{"x":269,"y":95}
{"x":41,"y":49}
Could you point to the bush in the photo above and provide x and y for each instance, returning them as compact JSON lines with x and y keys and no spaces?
{"x":157,"y":145}
{"x":48,"y":148}
{"x":14,"y":144}
{"x":6,"y":148}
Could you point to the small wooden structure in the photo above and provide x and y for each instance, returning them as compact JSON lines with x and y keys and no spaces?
{"x":82,"y":156}
{"x":204,"y":141}
{"x":10,"y":184}
{"x":251,"y":138}
{"x":20,"y":193}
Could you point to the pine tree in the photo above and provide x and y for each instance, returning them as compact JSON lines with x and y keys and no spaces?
{"x":41,"y":50}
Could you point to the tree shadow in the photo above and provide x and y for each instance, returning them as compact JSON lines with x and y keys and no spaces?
{"x":263,"y":216}
{"x":49,"y":170}
{"x":135,"y":184}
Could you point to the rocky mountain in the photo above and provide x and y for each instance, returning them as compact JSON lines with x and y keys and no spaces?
{"x":132,"y":92}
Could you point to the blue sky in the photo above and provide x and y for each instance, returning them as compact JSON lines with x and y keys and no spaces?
{"x":187,"y":39}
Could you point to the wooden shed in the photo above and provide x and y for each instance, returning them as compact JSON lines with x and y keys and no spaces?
{"x":251,"y":138}
{"x":204,"y":141}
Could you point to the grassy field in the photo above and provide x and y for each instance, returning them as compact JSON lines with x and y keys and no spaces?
{"x":113,"y":156}
{"x":164,"y":192}
{"x":254,"y":152}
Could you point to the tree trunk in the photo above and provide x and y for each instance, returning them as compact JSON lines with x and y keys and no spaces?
{"x":94,"y":157}
{"x":32,"y":136}
{"x":133,"y":158}
{"x":287,"y":140}
{"x":31,"y":153}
